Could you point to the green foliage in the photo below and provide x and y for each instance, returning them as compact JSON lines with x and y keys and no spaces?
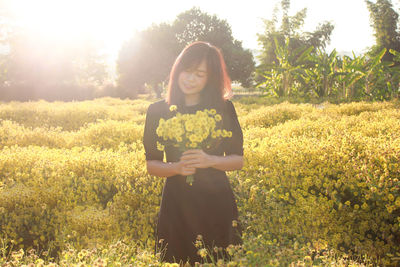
{"x":384,"y":20}
{"x":195,"y":25}
{"x":290,"y":27}
{"x":148,"y":57}
{"x":290,"y":66}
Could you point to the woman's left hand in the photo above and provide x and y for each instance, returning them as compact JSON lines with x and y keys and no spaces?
{"x":197,"y":158}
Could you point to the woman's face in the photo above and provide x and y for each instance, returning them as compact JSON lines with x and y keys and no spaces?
{"x":192,"y":81}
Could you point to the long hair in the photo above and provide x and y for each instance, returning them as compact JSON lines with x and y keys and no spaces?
{"x":218,"y":87}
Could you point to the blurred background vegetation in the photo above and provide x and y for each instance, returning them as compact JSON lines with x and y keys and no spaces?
{"x":291,"y":63}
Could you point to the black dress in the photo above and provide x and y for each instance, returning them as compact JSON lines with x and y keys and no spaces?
{"x":207,"y":207}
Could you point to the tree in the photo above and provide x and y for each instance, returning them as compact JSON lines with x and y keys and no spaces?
{"x":288,"y":69}
{"x":321,"y":77}
{"x":195,"y":25}
{"x":384,"y":22}
{"x":148,"y":57}
{"x":290,"y":27}
{"x":52,"y":70}
{"x":34,"y":68}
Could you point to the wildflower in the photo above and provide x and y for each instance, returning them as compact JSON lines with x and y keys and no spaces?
{"x":18,"y":255}
{"x":100,"y":262}
{"x":202,"y":252}
{"x":397,"y":202}
{"x":160,"y":146}
{"x":198,"y":244}
{"x":230,"y":249}
{"x":234,"y":223}
{"x":172,"y":108}
{"x":307,"y":258}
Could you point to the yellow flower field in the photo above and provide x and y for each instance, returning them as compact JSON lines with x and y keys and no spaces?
{"x":320,"y":185}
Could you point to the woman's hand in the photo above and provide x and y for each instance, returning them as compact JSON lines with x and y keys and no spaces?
{"x":196,"y":158}
{"x":182,"y":168}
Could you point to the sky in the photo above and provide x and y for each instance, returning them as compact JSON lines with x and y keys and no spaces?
{"x":111,"y":22}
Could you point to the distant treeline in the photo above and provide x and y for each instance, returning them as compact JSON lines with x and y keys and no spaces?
{"x":292,"y":63}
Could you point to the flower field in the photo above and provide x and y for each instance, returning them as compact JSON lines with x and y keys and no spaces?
{"x":320,"y":185}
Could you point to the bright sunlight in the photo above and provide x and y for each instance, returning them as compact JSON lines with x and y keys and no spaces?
{"x":69,"y":21}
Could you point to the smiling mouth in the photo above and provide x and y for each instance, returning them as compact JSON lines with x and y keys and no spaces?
{"x":189,"y":86}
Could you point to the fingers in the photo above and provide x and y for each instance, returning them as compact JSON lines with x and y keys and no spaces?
{"x":189,"y":157}
{"x":190,"y":151}
{"x":191,"y":162}
{"x":188,"y":170}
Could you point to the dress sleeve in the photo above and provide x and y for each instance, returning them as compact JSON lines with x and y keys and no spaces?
{"x":150,"y":137}
{"x":234,"y":144}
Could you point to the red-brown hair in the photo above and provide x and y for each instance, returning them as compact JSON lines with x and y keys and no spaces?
{"x":218,"y":87}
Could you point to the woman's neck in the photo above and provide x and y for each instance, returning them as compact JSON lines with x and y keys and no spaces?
{"x":191,"y":100}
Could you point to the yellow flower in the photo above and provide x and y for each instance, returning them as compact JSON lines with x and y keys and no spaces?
{"x":198,"y":244}
{"x":202,"y":252}
{"x":213,"y":111}
{"x":192,"y":138}
{"x":189,"y":126}
{"x":307,"y":258}
{"x":160,"y":146}
{"x":218,"y":117}
{"x":193,"y":145}
{"x":234,"y":223}
{"x":397,"y":202}
{"x":172,"y":108}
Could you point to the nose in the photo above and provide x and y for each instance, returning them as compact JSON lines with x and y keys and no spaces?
{"x":190,"y":76}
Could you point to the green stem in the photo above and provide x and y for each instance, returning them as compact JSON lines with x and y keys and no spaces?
{"x":190,"y":179}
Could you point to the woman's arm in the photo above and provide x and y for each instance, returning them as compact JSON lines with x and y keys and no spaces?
{"x":197,"y":158}
{"x":192,"y":159}
{"x":227,"y":163}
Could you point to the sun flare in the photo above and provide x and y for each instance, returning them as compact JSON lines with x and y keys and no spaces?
{"x":108,"y":23}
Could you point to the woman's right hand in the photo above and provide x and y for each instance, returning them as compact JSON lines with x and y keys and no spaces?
{"x":182,"y":168}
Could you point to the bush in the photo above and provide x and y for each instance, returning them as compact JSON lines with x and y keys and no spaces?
{"x":319,"y":182}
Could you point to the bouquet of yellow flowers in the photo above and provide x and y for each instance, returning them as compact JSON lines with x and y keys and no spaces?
{"x":190,"y":131}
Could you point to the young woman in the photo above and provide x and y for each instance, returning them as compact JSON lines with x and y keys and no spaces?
{"x":207,"y":208}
